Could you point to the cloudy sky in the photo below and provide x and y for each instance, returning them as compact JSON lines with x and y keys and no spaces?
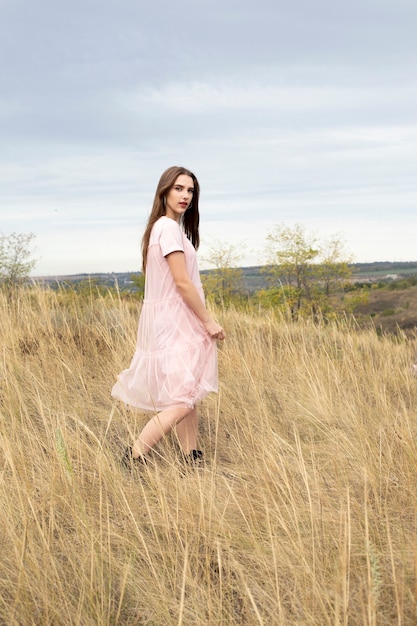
{"x":288,"y":112}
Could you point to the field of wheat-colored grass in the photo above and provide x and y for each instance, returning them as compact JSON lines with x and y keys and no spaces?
{"x":304,"y":514}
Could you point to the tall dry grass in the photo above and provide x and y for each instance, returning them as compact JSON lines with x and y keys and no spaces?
{"x":305,"y":512}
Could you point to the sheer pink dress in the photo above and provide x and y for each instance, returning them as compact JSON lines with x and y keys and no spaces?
{"x":175,"y":362}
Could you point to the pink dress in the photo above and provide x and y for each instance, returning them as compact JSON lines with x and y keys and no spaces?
{"x":175,"y":362}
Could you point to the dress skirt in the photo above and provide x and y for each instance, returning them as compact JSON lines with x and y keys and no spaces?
{"x":175,"y":362}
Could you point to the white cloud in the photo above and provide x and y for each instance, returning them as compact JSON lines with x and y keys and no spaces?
{"x":277,"y":97}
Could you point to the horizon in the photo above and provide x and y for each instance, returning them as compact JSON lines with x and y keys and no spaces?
{"x":241,"y":267}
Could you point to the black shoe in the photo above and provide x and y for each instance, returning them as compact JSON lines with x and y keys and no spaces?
{"x":128,"y":460}
{"x":194,"y":458}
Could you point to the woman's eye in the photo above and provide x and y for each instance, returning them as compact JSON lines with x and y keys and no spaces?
{"x":177,"y":188}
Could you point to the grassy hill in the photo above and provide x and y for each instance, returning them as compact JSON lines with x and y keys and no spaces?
{"x":390,"y":309}
{"x":303,"y":514}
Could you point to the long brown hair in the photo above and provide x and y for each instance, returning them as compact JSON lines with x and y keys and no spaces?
{"x":191,"y":218}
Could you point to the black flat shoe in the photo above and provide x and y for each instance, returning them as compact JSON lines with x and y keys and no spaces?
{"x":194,"y":458}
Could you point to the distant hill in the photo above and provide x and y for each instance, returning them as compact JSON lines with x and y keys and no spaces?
{"x":389,"y":309}
{"x":380,"y":269}
{"x":254,"y":277}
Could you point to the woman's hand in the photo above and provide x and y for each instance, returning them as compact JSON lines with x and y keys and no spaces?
{"x":214,"y":330}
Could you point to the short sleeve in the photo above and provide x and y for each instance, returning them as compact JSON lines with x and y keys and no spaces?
{"x":170,"y":239}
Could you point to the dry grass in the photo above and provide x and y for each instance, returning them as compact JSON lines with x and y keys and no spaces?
{"x":304,"y":514}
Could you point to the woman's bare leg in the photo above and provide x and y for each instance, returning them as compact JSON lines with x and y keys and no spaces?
{"x":187,"y":430}
{"x":157,"y":427}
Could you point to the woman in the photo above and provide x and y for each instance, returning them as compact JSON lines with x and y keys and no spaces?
{"x":175,"y":362}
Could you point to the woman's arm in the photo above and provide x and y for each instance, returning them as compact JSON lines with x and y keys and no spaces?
{"x":190,"y":295}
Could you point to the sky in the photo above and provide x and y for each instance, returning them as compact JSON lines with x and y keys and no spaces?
{"x":289,"y":113}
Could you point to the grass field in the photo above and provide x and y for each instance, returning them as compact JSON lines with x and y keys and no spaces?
{"x":306,"y":510}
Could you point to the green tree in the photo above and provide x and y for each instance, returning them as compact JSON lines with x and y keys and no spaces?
{"x":16,"y":260}
{"x":305,"y":272}
{"x":290,"y":254}
{"x":138,"y":281}
{"x":334,"y":266}
{"x":224,"y":282}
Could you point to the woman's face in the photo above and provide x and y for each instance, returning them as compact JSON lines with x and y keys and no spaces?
{"x":179,"y":197}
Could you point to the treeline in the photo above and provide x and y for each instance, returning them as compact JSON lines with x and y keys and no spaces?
{"x":303,"y":276}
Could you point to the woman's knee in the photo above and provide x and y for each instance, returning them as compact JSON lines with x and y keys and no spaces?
{"x":182,"y":413}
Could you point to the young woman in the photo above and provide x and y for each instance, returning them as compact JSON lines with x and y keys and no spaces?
{"x":175,"y":362}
